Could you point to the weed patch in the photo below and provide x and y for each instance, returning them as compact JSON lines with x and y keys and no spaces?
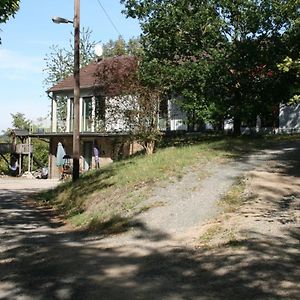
{"x":234,"y":198}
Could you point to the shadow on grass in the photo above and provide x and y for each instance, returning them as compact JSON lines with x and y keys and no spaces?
{"x":69,"y":197}
{"x":114,"y":225}
{"x":187,"y":139}
{"x":118,"y":225}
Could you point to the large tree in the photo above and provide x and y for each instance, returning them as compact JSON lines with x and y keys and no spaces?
{"x":128,"y":101}
{"x":8,"y":8}
{"x":60,"y":61}
{"x":220,"y":55}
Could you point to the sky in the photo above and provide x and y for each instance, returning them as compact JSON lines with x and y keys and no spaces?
{"x":27,"y":38}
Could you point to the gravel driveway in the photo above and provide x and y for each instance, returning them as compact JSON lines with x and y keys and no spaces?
{"x":41,"y":259}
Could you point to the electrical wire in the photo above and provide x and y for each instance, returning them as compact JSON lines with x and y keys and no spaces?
{"x":109,"y":18}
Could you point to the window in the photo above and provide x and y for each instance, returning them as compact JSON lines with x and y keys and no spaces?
{"x":87,"y":114}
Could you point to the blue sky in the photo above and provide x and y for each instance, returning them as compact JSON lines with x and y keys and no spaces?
{"x":26,"y":40}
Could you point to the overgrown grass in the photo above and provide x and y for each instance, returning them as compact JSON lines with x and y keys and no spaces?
{"x":114,"y":192}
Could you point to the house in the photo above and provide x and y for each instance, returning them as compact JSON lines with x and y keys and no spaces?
{"x":100,"y":125}
{"x":289,"y":118}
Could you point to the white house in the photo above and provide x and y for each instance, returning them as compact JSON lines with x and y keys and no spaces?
{"x":100,"y":127}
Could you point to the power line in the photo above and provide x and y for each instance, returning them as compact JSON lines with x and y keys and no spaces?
{"x":109,"y":18}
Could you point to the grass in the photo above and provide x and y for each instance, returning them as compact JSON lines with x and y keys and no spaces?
{"x":113,"y":194}
{"x":210,"y":233}
{"x":234,"y":198}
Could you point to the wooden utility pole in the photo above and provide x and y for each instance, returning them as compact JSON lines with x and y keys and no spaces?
{"x":76,"y":129}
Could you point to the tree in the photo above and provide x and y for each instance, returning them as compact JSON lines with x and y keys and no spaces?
{"x":220,"y":55}
{"x":128,"y":101}
{"x":121,"y":47}
{"x":292,"y":66}
{"x":20,"y":121}
{"x":60,"y":61}
{"x":8,"y":8}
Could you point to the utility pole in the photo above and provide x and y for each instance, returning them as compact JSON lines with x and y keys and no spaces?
{"x":76,"y":123}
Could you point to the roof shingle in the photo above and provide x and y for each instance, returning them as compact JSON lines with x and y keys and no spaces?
{"x":88,"y":74}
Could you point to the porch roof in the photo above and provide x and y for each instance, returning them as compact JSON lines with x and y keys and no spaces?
{"x":82,"y":134}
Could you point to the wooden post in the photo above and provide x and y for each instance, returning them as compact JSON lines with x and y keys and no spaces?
{"x":20,"y":164}
{"x":29,"y":154}
{"x":76,"y":130}
{"x":68,"y":119}
{"x":54,"y":114}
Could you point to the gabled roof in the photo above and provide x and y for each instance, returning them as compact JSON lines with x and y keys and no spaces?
{"x":88,"y":74}
{"x":87,"y":79}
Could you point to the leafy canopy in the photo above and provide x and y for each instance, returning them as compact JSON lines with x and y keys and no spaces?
{"x":8,"y":8}
{"x":220,"y":55}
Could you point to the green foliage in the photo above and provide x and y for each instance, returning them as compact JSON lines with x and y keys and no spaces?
{"x":119,"y":76}
{"x":8,"y":8}
{"x":219,"y":55}
{"x":121,"y":47}
{"x":290,"y":65}
{"x":20,"y":121}
{"x":60,"y":61}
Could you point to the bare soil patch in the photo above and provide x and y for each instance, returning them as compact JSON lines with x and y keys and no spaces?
{"x":261,"y":239}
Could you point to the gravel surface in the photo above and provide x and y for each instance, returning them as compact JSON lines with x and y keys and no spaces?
{"x":193,"y":200}
{"x":180,"y":206}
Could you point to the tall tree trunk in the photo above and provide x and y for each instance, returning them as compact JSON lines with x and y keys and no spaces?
{"x":237,"y":113}
{"x":237,"y":126}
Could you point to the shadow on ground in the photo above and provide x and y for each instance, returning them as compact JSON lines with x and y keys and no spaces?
{"x":40,"y":260}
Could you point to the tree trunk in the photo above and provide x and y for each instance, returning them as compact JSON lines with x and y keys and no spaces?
{"x":237,"y":126}
{"x":237,"y":113}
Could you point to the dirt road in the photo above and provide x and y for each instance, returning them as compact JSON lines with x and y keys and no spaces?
{"x":41,"y":259}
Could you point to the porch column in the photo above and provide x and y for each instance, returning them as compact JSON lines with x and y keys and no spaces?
{"x":68,"y":119}
{"x":54,"y":114}
{"x":80,"y":113}
{"x":93,"y":113}
{"x":29,"y":154}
